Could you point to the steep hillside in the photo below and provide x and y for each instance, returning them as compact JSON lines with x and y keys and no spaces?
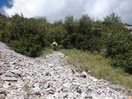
{"x":22,"y":77}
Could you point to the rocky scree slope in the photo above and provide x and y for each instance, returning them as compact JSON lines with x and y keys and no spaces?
{"x":23,"y":77}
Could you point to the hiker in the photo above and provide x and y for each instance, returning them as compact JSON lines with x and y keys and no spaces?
{"x":54,"y":45}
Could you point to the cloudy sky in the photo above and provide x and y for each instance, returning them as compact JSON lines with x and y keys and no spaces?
{"x":58,"y":9}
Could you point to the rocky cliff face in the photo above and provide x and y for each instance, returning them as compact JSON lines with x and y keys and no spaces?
{"x":22,"y":77}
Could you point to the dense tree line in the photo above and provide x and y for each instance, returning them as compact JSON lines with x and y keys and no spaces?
{"x":30,"y":36}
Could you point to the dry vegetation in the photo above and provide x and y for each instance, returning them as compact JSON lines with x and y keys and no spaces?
{"x":99,"y":67}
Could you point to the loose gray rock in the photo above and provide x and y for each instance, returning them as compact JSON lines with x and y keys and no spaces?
{"x":23,"y":77}
{"x":2,"y":96}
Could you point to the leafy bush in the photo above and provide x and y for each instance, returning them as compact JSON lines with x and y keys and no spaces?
{"x":119,"y":49}
{"x":57,"y":32}
{"x":29,"y":36}
{"x":26,"y":36}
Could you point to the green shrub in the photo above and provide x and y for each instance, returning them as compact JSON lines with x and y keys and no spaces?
{"x":119,"y":49}
{"x":29,"y":36}
{"x":26,"y":36}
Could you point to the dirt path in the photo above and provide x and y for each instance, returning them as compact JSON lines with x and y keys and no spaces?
{"x":22,"y":77}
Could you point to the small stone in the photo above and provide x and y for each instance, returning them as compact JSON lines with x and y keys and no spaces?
{"x":89,"y":90}
{"x":13,"y":63}
{"x":6,"y":85}
{"x":129,"y":97}
{"x":47,"y":74}
{"x":21,"y":97}
{"x":1,"y":81}
{"x":59,"y":89}
{"x":67,"y":85}
{"x":47,"y":85}
{"x":89,"y":72}
{"x":50,"y":64}
{"x":50,"y":97}
{"x":2,"y":63}
{"x":66,"y":96}
{"x":16,"y":72}
{"x":37,"y":93}
{"x":88,"y":97}
{"x":14,"y":93}
{"x":36,"y":88}
{"x":50,"y":91}
{"x":83,"y":94}
{"x":9,"y":78}
{"x":79,"y":90}
{"x":1,"y":72}
{"x":83,"y":74}
{"x":9,"y":89}
{"x":129,"y":93}
{"x":73,"y":71}
{"x":2,"y":91}
{"x":76,"y":83}
{"x":9,"y":74}
{"x":2,"y":96}
{"x":94,"y":79}
{"x":44,"y":81}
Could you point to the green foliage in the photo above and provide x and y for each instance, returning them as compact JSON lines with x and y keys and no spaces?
{"x":70,"y":24}
{"x":85,"y":25}
{"x":57,"y":32}
{"x":29,"y":36}
{"x":25,"y":36}
{"x":119,"y":49}
{"x":112,"y":18}
{"x":113,"y":24}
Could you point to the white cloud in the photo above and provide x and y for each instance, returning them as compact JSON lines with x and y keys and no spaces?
{"x":58,"y":9}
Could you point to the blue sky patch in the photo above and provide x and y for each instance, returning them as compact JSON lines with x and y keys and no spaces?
{"x":5,"y":3}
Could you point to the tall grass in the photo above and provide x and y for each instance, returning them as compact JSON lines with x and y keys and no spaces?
{"x":99,"y":67}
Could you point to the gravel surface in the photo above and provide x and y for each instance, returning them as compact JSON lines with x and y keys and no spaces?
{"x":23,"y":77}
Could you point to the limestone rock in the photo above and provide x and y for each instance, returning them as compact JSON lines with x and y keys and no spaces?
{"x":83,"y":74}
{"x":67,"y":85}
{"x":23,"y":77}
{"x":2,"y":96}
{"x":1,"y":72}
{"x":9,"y":78}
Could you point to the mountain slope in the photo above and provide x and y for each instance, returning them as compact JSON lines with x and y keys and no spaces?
{"x":22,"y":77}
